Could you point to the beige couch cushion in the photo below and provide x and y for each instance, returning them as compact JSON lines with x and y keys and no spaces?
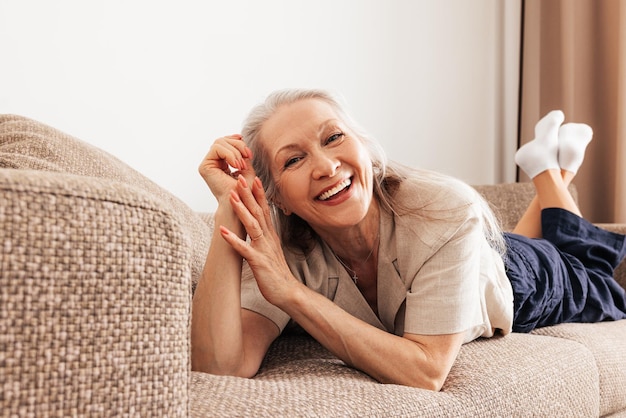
{"x":28,"y":144}
{"x":607,"y":343}
{"x":520,"y":375}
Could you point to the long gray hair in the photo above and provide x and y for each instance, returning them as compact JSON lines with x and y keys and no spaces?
{"x":293,"y":230}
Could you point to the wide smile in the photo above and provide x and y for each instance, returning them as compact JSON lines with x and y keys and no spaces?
{"x":334,"y":191}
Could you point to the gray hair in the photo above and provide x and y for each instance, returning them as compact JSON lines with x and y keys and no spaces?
{"x":293,"y":230}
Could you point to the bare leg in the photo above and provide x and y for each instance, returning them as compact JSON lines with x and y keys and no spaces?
{"x":529,"y":224}
{"x":551,"y":192}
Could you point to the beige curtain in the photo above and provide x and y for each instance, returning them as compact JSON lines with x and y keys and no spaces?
{"x":574,"y":59}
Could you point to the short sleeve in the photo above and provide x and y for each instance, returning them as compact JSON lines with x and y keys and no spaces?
{"x":253,"y":300}
{"x":444,"y":295}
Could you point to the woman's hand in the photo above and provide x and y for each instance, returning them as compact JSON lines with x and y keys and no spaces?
{"x":264,"y":252}
{"x":227,"y":158}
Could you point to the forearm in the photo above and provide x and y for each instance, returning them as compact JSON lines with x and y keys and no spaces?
{"x":216,"y":327}
{"x":386,"y":357}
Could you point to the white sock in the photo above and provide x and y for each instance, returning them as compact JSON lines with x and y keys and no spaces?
{"x":541,"y":153}
{"x":573,"y":140}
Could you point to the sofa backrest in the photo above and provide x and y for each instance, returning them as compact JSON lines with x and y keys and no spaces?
{"x":27,"y":144}
{"x":510,"y":200}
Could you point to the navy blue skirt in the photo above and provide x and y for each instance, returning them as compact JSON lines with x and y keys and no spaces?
{"x":567,"y":276}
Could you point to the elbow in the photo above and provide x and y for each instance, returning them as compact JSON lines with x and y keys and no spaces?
{"x":432,"y":364}
{"x":434,"y":377}
{"x":432,"y":380}
{"x":432,"y":383}
{"x":429,"y":376}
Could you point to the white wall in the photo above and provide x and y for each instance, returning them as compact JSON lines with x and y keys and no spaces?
{"x":154,"y":82}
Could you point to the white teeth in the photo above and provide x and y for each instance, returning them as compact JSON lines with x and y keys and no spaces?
{"x":330,"y":193}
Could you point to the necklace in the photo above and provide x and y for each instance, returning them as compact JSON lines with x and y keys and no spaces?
{"x":349,"y":269}
{"x":355,"y":278}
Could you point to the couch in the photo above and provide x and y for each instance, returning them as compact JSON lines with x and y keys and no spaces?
{"x":97,"y":269}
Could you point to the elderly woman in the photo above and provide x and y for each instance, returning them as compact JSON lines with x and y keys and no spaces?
{"x":392,"y":269}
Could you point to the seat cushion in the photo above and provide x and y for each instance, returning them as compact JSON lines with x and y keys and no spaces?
{"x":29,"y":144}
{"x":516,"y":375}
{"x":607,"y":342}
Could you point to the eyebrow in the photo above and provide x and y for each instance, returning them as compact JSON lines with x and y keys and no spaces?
{"x":287,"y":148}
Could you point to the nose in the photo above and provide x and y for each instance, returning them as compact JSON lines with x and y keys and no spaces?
{"x":325,"y":165}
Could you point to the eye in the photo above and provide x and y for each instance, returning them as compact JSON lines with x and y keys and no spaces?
{"x":291,"y":161}
{"x":334,"y":137}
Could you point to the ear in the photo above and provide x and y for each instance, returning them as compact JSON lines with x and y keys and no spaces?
{"x":277,"y":202}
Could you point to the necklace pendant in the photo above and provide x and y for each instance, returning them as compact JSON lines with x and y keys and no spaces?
{"x":355,"y":278}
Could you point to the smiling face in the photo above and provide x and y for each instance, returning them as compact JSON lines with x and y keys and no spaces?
{"x":323,"y":172}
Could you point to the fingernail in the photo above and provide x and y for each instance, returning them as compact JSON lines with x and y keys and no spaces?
{"x":242,"y":181}
{"x":234,"y":196}
{"x":258,"y":183}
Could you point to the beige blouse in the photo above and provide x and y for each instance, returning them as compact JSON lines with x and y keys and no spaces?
{"x":437,"y":273}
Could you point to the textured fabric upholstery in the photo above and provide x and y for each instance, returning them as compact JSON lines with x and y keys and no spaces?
{"x":607,"y":343}
{"x":29,"y":144}
{"x":490,"y":378}
{"x":94,"y":299}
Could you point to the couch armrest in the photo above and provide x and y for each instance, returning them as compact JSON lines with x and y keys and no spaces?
{"x":620,"y":272}
{"x":94,"y":299}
